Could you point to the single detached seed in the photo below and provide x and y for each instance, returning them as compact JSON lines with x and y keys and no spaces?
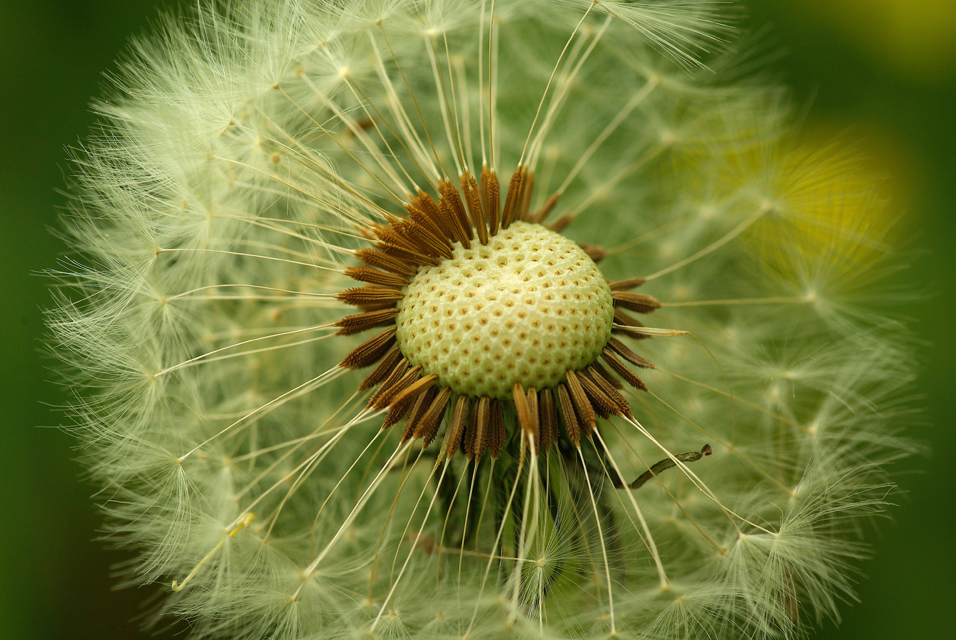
{"x":433,"y":329}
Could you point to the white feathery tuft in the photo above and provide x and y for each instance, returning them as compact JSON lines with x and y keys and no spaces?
{"x":250,"y":148}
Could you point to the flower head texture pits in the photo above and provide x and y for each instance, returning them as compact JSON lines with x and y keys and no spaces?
{"x":477,"y":319}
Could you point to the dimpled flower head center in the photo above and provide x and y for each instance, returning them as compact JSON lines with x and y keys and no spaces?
{"x":524,"y":309}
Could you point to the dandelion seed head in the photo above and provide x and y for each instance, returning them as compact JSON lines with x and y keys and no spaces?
{"x":476,"y":319}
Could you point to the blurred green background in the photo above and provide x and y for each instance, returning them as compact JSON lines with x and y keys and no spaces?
{"x":879,"y":71}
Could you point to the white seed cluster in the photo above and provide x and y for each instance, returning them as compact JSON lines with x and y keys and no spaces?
{"x":525,"y":308}
{"x":241,"y":150}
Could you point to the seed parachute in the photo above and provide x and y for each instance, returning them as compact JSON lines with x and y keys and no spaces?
{"x":476,"y":319}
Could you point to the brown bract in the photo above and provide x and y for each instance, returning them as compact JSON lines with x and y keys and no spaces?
{"x":427,"y":235}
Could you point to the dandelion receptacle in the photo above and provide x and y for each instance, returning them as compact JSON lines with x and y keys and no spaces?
{"x":476,"y":319}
